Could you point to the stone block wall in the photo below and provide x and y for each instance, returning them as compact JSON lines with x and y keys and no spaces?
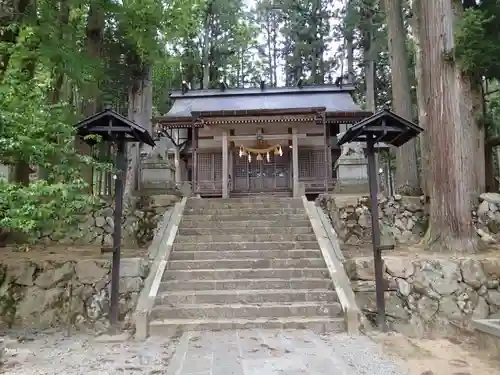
{"x":96,"y":228}
{"x":51,"y":294}
{"x":428,"y":294}
{"x":487,"y":217}
{"x":402,"y":219}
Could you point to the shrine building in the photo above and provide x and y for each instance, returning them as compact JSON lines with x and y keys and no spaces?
{"x":246,"y":141}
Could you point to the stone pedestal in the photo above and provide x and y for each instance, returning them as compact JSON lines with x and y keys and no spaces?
{"x":352,"y":175}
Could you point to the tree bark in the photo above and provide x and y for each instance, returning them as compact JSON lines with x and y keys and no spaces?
{"x":140,"y":110}
{"x":422,"y":101}
{"x":206,"y":46}
{"x":275,"y":27}
{"x":407,"y":182}
{"x":92,"y":100}
{"x":350,"y":57}
{"x":452,"y":131}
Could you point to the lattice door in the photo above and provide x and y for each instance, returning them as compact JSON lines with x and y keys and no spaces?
{"x":311,"y":164}
{"x":241,"y":173}
{"x":275,"y":173}
{"x":205,"y":167}
{"x":261,"y":175}
{"x":217,"y":166}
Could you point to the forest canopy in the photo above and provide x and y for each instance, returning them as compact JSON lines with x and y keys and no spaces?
{"x":62,"y":60}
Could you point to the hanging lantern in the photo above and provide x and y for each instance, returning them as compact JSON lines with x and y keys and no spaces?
{"x":268,"y":157}
{"x":249,"y":158}
{"x":280,"y":151}
{"x":242,"y":152}
{"x":259,"y":157}
{"x":276,"y":151}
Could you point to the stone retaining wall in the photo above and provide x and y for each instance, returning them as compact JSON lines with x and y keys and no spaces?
{"x":487,"y":217}
{"x":51,"y":294}
{"x":428,"y":294}
{"x":402,"y":219}
{"x":138,"y":227}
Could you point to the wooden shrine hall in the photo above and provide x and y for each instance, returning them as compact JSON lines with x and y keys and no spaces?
{"x":258,"y":140}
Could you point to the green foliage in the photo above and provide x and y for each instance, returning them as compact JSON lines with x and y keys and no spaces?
{"x":62,"y":60}
{"x":476,"y":42}
{"x":39,"y":134}
{"x":43,"y":207}
{"x":307,"y":33}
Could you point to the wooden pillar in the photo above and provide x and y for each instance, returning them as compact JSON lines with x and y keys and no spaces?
{"x":194,"y":155}
{"x":295,"y":162}
{"x":177,"y":163}
{"x":231,"y":169}
{"x":326,"y":158}
{"x":225,"y":165}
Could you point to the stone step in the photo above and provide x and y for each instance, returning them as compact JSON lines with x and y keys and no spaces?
{"x":187,"y":224}
{"x":242,"y":230}
{"x":246,"y":284}
{"x":287,"y":194}
{"x":222,"y":297}
{"x":255,"y":204}
{"x":242,"y":310}
{"x":247,"y":198}
{"x":319,"y":324}
{"x":245,"y":254}
{"x":244,"y":211}
{"x":226,"y":274}
{"x":244,"y":216}
{"x":214,"y":264}
{"x":236,"y":246}
{"x":266,"y":237}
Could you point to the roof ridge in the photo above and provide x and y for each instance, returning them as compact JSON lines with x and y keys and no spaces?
{"x":256,"y":91}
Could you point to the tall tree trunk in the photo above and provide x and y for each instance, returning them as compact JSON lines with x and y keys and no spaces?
{"x":269,"y":46}
{"x":350,"y":57}
{"x":93,"y":102}
{"x":452,"y":130}
{"x":369,"y":61}
{"x":422,"y":101}
{"x":275,"y":50}
{"x":206,"y":46}
{"x":140,"y":110}
{"x":349,"y":41}
{"x":407,"y":182}
{"x":370,"y":84}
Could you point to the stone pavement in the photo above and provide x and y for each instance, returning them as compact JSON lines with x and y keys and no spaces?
{"x":276,"y":352}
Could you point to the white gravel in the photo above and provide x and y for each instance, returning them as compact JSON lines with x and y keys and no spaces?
{"x":82,"y":354}
{"x":361,"y":354}
{"x":50,"y":354}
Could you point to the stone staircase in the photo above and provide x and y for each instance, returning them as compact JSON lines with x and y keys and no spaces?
{"x":246,"y":263}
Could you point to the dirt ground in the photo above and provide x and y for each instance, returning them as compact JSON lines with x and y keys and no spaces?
{"x":445,"y":356}
{"x":452,"y":356}
{"x":416,"y":251}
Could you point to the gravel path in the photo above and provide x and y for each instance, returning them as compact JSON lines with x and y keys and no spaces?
{"x":82,"y":354}
{"x":252,"y":352}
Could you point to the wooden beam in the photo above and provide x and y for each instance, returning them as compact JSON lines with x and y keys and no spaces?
{"x":266,"y":137}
